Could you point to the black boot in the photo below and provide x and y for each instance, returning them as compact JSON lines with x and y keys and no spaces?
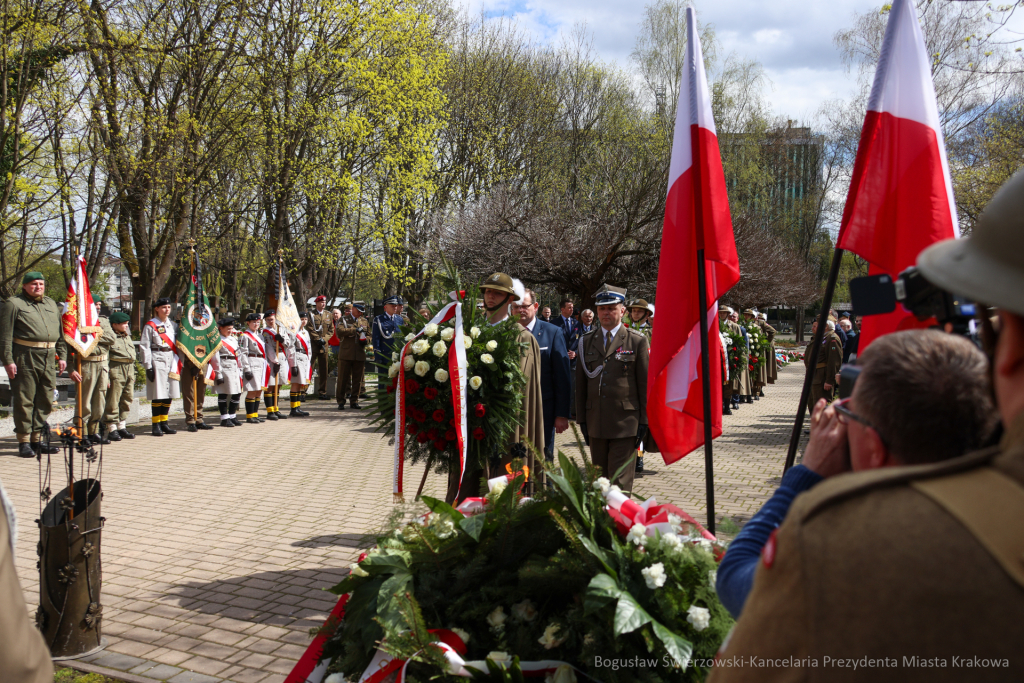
{"x":114,"y":435}
{"x":252,"y":420}
{"x":192,"y":428}
{"x":226,"y":422}
{"x":205,"y":427}
{"x":341,"y":406}
{"x":726,"y":410}
{"x":272,"y":417}
{"x":125,"y":434}
{"x":166,"y":428}
{"x":235,"y":421}
{"x":39,"y":448}
{"x":25,"y":451}
{"x":640,"y":464}
{"x":280,"y":415}
{"x":99,"y":439}
{"x":321,"y":397}
{"x":156,"y":429}
{"x":295,"y":412}
{"x":94,"y":439}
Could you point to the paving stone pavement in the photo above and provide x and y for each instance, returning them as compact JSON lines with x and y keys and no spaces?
{"x":218,"y":545}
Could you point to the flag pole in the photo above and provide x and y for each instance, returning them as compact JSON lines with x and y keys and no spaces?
{"x":812,"y":362}
{"x":705,"y":367}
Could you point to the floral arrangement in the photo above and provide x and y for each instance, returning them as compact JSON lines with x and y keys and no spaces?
{"x":738,"y":356}
{"x":760,"y":347}
{"x":493,"y":389}
{"x":578,"y":574}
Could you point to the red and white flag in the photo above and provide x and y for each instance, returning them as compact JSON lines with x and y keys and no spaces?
{"x":79,"y":319}
{"x":901,"y":196}
{"x":696,"y":217}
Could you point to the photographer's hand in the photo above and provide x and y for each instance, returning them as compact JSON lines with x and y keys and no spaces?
{"x":827,"y":452}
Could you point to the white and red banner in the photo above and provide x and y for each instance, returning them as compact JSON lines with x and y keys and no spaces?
{"x":901,"y":196}
{"x":696,"y":218}
{"x":457,"y":369}
{"x":79,"y":318}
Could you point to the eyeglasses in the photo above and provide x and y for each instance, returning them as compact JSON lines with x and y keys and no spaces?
{"x":845,"y":414}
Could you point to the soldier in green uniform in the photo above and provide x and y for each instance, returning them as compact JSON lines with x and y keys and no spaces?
{"x":830,"y":359}
{"x":320,"y":328}
{"x":353,"y":331}
{"x":121,"y":359}
{"x":32,"y":349}
{"x":95,"y":379}
{"x":773,"y":363}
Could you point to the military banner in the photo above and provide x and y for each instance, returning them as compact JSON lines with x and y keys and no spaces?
{"x":287,"y":313}
{"x":79,"y":318}
{"x":198,"y":338}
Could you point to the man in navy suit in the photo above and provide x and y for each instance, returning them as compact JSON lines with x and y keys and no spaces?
{"x":554,"y":370}
{"x":572,"y":330}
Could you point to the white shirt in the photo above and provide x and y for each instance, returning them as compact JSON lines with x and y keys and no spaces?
{"x":610,"y":334}
{"x":533,"y":323}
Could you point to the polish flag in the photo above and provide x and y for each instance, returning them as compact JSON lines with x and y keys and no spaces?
{"x":696,"y":217}
{"x":79,"y":318}
{"x":901,"y":196}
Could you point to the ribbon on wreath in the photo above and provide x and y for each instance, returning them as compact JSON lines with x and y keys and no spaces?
{"x":457,"y":370}
{"x":626,"y":513}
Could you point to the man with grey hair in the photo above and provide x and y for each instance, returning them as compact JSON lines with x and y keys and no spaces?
{"x":555,"y":388}
{"x":586,"y":321}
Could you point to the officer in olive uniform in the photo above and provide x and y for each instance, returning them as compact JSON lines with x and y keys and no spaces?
{"x":32,"y":349}
{"x":773,"y":363}
{"x":830,"y":360}
{"x":611,"y":389}
{"x":95,"y":379}
{"x":320,"y":328}
{"x":730,"y":387}
{"x":353,"y":331}
{"x":121,"y":360}
{"x":385,"y":327}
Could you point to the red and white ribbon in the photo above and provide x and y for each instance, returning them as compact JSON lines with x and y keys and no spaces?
{"x":457,"y":369}
{"x":626,"y":513}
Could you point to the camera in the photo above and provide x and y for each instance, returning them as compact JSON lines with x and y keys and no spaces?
{"x":876,"y":294}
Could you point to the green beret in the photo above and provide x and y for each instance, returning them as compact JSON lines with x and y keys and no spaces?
{"x":119,"y":317}
{"x":31,"y":276}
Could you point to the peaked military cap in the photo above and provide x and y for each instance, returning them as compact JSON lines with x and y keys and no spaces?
{"x":844,"y":314}
{"x":32,"y":276}
{"x":359,"y":307}
{"x":401,"y":301}
{"x":393,"y":299}
{"x":252,"y":316}
{"x":608,"y":295}
{"x":162,"y":301}
{"x":118,"y":317}
{"x":500,"y":282}
{"x":226,"y":322}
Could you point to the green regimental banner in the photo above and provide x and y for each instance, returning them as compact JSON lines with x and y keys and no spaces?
{"x":198,"y":337}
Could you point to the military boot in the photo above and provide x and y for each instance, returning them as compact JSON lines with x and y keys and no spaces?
{"x":114,"y":435}
{"x":125,"y":434}
{"x":156,"y":429}
{"x":166,"y":428}
{"x":25,"y":451}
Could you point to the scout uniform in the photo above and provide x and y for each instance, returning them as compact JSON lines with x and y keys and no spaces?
{"x":95,"y":381}
{"x":121,"y":361}
{"x":278,"y":344}
{"x":31,"y":339}
{"x":227,"y":367}
{"x":384,"y":329}
{"x":830,"y":360}
{"x":354,"y":335}
{"x":252,"y":357}
{"x":156,"y":351}
{"x":611,"y":392}
{"x":320,"y":328}
{"x":302,"y":368}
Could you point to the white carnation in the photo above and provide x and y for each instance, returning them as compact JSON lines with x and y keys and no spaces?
{"x":525,"y":610}
{"x":638,"y":534}
{"x":705,"y":544}
{"x":476,"y":381}
{"x":430,"y":330}
{"x":676,"y":522}
{"x":448,"y":333}
{"x":422,"y":368}
{"x":486,"y":358}
{"x":602,"y":484}
{"x":356,"y":570}
{"x":467,"y":341}
{"x":474,"y":332}
{"x":497,"y":618}
{"x":420,"y":346}
{"x":440,"y":349}
{"x":492,"y":345}
{"x":441,"y":376}
{"x":699,"y":617}
{"x":408,"y":362}
{"x":654,"y":575}
{"x":393,"y":370}
{"x":444,"y":527}
{"x":550,"y":638}
{"x":563,"y":674}
{"x":671,"y":542}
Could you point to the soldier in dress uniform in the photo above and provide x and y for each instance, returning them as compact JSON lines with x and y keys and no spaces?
{"x":639,"y":317}
{"x":731,"y":387}
{"x":252,"y":356}
{"x":121,"y":360}
{"x":353,"y":331}
{"x":385,"y":326}
{"x":158,"y":356}
{"x":95,"y":378}
{"x":758,"y":380}
{"x":320,"y":328}
{"x":830,"y":360}
{"x":227,"y":368}
{"x":400,"y":311}
{"x":279,"y":349}
{"x":611,"y":389}
{"x":745,"y":384}
{"x":773,"y":363}
{"x":33,"y":351}
{"x":302,"y":368}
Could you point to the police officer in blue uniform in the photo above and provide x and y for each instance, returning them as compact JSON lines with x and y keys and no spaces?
{"x":385,"y":326}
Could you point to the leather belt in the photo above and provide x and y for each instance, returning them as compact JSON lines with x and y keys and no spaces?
{"x":35,"y":344}
{"x":159,"y":348}
{"x":122,"y":361}
{"x":95,"y":359}
{"x":821,"y":365}
{"x":254,"y":355}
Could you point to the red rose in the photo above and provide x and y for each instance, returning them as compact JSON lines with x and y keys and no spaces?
{"x":412,"y":386}
{"x":422,"y":437}
{"x":440,"y":444}
{"x":391,"y":388}
{"x":412,"y":428}
{"x":462,"y":294}
{"x":430,"y":393}
{"x":450,"y":435}
{"x":418,"y":415}
{"x":479,"y":433}
{"x":439,"y":416}
{"x":432,"y":434}
{"x":479,"y":410}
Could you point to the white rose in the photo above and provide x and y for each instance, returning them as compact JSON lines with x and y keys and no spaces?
{"x":500,"y":658}
{"x":409,"y":337}
{"x":638,"y":534}
{"x":422,"y":368}
{"x":448,"y":333}
{"x":441,"y":376}
{"x":474,"y":332}
{"x":486,"y":358}
{"x":699,"y":617}
{"x":497,"y":617}
{"x":467,"y":341}
{"x":440,"y":349}
{"x":476,"y":381}
{"x":335,"y":678}
{"x":614,"y":488}
{"x":602,"y":484}
{"x":420,"y":346}
{"x":563,"y":674}
{"x":393,"y":370}
{"x":356,"y":570}
{"x":492,"y":345}
{"x":408,"y":362}
{"x":671,"y":542}
{"x":550,"y":638}
{"x":463,"y":635}
{"x":394,"y":356}
{"x":430,"y":330}
{"x":654,"y":575}
{"x":498,"y":488}
{"x":524,"y":611}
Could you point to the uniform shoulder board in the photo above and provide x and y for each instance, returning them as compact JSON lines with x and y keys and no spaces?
{"x":593,"y":330}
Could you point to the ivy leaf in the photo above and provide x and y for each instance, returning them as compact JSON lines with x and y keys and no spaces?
{"x":474,"y":525}
{"x":678,"y":647}
{"x":629,"y":615}
{"x":441,"y":508}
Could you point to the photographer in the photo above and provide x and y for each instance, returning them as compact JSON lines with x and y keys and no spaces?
{"x":903,"y":376}
{"x":921,"y":562}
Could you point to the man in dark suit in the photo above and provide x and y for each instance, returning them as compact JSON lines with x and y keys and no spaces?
{"x":572,"y":330}
{"x":554,"y":370}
